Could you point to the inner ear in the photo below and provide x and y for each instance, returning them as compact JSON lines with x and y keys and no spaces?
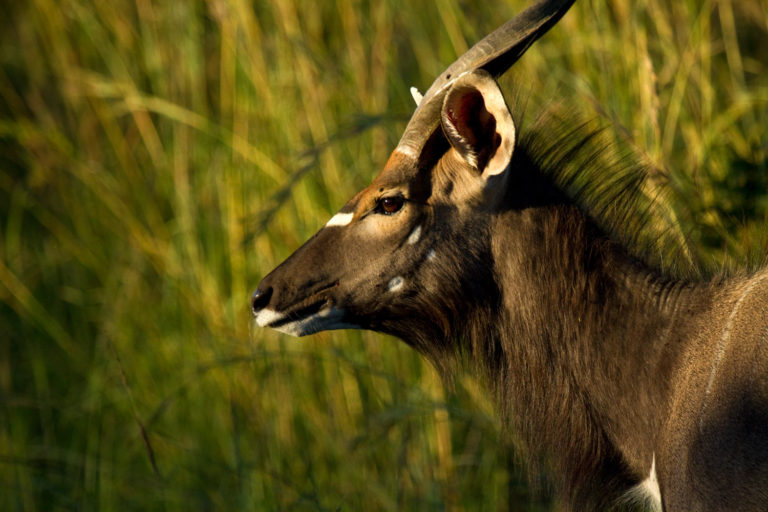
{"x":470,"y":128}
{"x":477,"y":123}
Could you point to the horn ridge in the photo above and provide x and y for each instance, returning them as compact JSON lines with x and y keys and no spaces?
{"x":495,"y":53}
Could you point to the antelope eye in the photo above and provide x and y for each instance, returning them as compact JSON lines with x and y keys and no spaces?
{"x":390,"y":205}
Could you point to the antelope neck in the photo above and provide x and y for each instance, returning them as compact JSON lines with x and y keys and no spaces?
{"x":598,"y":333}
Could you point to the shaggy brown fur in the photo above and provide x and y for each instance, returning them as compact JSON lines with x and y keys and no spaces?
{"x":603,"y":366}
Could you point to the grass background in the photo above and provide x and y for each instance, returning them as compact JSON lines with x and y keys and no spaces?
{"x":158,"y":158}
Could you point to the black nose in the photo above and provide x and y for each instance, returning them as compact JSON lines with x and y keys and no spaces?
{"x":260,"y":299}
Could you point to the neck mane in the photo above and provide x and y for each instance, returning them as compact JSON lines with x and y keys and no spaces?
{"x":577,"y":340}
{"x":584,"y":344}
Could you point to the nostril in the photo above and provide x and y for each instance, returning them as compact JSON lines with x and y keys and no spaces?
{"x":260,"y":299}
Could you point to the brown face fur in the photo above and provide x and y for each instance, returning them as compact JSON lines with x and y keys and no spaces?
{"x":382,"y":259}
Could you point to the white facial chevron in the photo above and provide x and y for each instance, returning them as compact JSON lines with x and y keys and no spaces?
{"x":340,"y":219}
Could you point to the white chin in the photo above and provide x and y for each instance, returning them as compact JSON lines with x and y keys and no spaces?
{"x":326,"y":319}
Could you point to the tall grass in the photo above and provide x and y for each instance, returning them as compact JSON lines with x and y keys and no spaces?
{"x":157,"y":158}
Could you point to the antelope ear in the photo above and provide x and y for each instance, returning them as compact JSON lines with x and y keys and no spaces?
{"x":477,"y":123}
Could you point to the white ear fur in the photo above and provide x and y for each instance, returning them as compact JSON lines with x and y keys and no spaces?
{"x":458,"y":128}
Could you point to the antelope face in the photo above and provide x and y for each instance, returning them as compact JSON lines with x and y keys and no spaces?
{"x":420,"y":232}
{"x":398,"y":246}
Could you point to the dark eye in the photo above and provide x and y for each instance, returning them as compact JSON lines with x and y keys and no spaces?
{"x":390,"y":205}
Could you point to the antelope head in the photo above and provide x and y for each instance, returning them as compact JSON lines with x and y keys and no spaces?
{"x":396,"y":253}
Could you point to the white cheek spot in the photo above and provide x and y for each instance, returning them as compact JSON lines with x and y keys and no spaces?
{"x":396,"y":283}
{"x":340,"y":219}
{"x":415,"y":235}
{"x":431,"y":255}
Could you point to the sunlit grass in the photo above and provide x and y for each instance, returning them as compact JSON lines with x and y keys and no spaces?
{"x":157,"y":159}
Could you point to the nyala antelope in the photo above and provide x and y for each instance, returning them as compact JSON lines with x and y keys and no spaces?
{"x":625,"y":381}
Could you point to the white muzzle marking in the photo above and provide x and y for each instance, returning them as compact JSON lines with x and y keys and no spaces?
{"x":326,"y":319}
{"x":268,"y":316}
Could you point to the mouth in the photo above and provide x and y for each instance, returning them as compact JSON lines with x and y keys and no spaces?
{"x":295,"y":316}
{"x":310,"y":317}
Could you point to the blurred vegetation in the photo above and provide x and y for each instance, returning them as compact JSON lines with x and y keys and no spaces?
{"x":158,"y":158}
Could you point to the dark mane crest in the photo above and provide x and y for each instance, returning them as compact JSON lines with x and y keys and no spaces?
{"x":608,"y":179}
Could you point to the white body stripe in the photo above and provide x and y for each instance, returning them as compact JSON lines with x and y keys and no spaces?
{"x":340,"y":219}
{"x":722,"y":346}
